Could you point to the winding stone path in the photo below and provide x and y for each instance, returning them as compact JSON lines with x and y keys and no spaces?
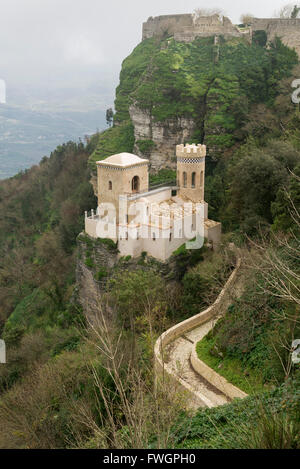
{"x":178,"y":351}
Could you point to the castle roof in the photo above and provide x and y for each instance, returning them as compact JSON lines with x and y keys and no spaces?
{"x":123,"y":160}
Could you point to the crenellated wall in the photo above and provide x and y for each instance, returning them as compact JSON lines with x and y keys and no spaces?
{"x":187,"y":27}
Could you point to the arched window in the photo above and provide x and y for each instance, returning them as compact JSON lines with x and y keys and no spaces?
{"x":184,"y":179}
{"x":201,"y":178}
{"x":193,"y":180}
{"x":109,"y":185}
{"x":135,"y":184}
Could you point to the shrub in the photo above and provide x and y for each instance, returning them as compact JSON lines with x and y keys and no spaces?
{"x":145,"y":146}
{"x":102,"y":273}
{"x":89,"y":262}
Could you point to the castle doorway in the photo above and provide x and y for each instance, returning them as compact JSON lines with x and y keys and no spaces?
{"x":135,"y":184}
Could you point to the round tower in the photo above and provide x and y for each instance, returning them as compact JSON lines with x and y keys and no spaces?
{"x":191,"y":171}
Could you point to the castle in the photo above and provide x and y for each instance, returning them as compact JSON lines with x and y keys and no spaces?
{"x":156,"y":221}
{"x":185,"y":28}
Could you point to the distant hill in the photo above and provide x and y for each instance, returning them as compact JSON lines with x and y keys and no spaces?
{"x":28,"y":135}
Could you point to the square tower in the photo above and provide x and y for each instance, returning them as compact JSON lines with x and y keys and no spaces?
{"x":191,"y":171}
{"x":121,"y":174}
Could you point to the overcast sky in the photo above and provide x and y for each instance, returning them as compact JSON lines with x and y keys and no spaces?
{"x":67,"y":43}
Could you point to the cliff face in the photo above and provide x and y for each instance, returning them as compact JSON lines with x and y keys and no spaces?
{"x":201,"y":91}
{"x":94,"y":265}
{"x":165,"y":136}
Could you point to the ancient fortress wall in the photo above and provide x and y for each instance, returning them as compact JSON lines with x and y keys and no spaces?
{"x":187,"y":27}
{"x":287,"y":29}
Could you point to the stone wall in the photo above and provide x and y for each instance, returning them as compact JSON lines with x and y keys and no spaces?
{"x":163,"y":369}
{"x":218,"y":381}
{"x":287,"y":29}
{"x":187,"y":27}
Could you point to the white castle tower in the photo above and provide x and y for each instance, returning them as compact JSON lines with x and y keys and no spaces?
{"x":191,"y":171}
{"x":169,"y":213}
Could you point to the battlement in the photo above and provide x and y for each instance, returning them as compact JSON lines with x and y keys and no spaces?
{"x":198,"y":151}
{"x":269,"y":23}
{"x":189,"y":26}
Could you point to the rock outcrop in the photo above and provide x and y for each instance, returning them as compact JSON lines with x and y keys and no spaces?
{"x":165,"y":136}
{"x":94,"y":257}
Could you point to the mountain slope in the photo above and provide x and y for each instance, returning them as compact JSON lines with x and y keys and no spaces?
{"x":173,"y":92}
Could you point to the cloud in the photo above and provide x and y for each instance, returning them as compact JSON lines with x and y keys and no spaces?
{"x":81,"y":49}
{"x":49,"y":42}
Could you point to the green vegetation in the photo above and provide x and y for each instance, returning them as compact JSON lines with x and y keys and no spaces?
{"x":145,"y":146}
{"x":117,"y":139}
{"x":203,"y":280}
{"x":247,"y":379}
{"x":185,"y":258}
{"x":171,"y":79}
{"x":251,"y":344}
{"x":109,"y":243}
{"x":270,"y":421}
{"x":101,"y":274}
{"x":67,"y":384}
{"x":163,"y":176}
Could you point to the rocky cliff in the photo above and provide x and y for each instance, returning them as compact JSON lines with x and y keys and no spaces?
{"x":95,"y":263}
{"x":165,"y":136}
{"x":200,"y":91}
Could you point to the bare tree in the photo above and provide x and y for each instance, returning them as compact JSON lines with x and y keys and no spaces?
{"x":246,"y":18}
{"x":136,"y":409}
{"x":109,"y":116}
{"x":208,"y":12}
{"x":288,"y":11}
{"x":277,"y":262}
